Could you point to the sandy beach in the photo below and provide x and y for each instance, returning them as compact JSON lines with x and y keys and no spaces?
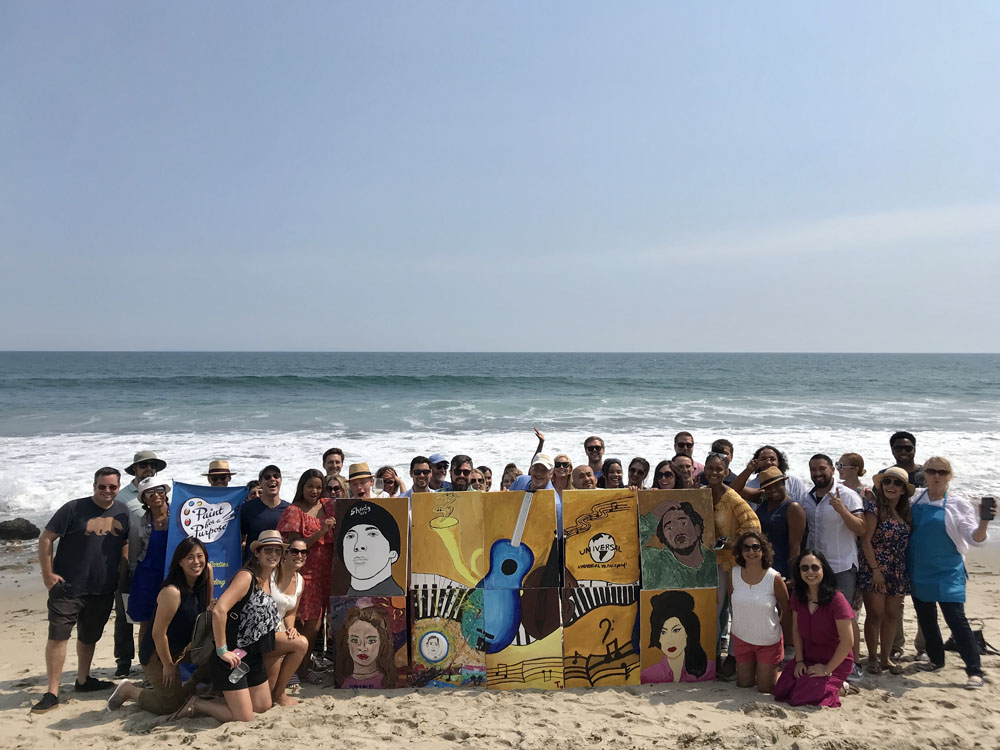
{"x":912,"y":710}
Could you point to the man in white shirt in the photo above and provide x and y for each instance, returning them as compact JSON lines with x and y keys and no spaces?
{"x":835,"y":517}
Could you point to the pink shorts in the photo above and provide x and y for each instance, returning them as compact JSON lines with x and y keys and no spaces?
{"x":745,"y":652}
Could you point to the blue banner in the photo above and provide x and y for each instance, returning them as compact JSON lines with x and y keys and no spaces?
{"x":212,"y":514}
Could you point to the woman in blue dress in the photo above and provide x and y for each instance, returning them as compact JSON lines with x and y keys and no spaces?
{"x":944,"y":527}
{"x":148,"y":552}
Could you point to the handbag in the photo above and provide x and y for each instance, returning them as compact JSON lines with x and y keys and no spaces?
{"x":202,"y":639}
{"x":981,"y":643}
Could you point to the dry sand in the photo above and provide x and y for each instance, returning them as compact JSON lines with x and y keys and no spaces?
{"x":913,"y":710}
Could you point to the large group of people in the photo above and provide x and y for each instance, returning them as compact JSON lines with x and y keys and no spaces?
{"x":794,"y":564}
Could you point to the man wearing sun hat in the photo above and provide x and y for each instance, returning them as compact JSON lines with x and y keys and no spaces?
{"x":360,"y":480}
{"x":145,"y":465}
{"x":218,"y":473}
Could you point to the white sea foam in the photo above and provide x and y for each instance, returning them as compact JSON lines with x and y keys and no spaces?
{"x":39,"y":473}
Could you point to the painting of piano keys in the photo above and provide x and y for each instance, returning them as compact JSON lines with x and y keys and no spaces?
{"x":446,"y":639}
{"x":520,"y":534}
{"x":533,"y":656}
{"x":368,"y":638}
{"x":446,"y":546}
{"x":601,"y":538}
{"x":677,"y":632}
{"x":676,"y":537}
{"x":600,"y":635}
{"x":370,"y":558}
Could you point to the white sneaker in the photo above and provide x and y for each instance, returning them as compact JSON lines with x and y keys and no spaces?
{"x":857,"y":674}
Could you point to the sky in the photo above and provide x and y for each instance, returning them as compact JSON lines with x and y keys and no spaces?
{"x":500,"y":176}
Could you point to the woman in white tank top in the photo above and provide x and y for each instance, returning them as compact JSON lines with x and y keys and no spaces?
{"x":289,"y":645}
{"x":759,"y":598}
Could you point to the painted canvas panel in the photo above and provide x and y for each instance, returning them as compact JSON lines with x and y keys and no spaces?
{"x":677,"y":632}
{"x":372,"y":546}
{"x":447,"y":539}
{"x":447,"y":642}
{"x":368,"y":639}
{"x":520,"y":534}
{"x":600,"y":635}
{"x":601,"y":537}
{"x":533,"y":656}
{"x":677,"y":536}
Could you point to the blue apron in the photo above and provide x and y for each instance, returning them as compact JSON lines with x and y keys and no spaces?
{"x":937,"y":570}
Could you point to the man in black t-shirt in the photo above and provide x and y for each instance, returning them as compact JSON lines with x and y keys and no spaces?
{"x":264,"y":512}
{"x":81,"y":579}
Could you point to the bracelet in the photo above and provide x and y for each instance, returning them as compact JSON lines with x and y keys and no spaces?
{"x":222,"y":650}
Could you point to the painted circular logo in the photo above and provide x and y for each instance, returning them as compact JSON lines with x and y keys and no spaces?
{"x":602,"y":547}
{"x":433,"y":646}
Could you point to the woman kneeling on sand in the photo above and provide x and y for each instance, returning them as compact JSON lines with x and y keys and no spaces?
{"x":185,"y":593}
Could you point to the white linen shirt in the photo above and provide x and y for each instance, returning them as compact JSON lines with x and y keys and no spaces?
{"x":960,"y":520}
{"x":827,"y":531}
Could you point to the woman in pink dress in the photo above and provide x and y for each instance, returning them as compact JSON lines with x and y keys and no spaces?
{"x":311,"y":516}
{"x":823,"y":635}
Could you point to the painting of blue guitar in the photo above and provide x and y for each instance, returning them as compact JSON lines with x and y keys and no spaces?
{"x":499,"y":592}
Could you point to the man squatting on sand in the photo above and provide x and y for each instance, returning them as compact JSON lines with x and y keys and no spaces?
{"x":803,"y":540}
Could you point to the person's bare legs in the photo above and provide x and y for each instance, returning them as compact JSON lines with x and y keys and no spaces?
{"x":890,"y":620}
{"x":746,"y":673}
{"x":874,"y":625}
{"x":767,"y":675}
{"x":84,"y":658}
{"x":55,"y":659}
{"x":308,"y":628}
{"x":236,"y":707}
{"x":282,"y":663}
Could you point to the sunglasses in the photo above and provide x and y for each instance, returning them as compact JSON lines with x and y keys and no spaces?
{"x":298,"y":552}
{"x":563,"y":464}
{"x":107,"y":487}
{"x":146,"y":464}
{"x":478,"y":482}
{"x":685,"y":445}
{"x":212,"y":478}
{"x":462,"y":472}
{"x":592,"y":448}
{"x":937,"y":472}
{"x":266,"y":477}
{"x":903,"y":447}
{"x":157,"y":491}
{"x":443,"y":466}
{"x":845,"y":466}
{"x":420,"y":472}
{"x":893,"y":482}
{"x":664,"y":474}
{"x":751,"y":548}
{"x":814,"y":568}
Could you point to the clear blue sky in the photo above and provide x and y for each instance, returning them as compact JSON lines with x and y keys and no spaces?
{"x":500,"y":176}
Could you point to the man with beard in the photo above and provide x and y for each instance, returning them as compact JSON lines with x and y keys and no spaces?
{"x":461,"y":474}
{"x":835,"y":519}
{"x":420,"y":473}
{"x":439,"y":470}
{"x":683,"y":562}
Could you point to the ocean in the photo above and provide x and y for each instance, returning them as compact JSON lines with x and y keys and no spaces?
{"x":64,"y":414}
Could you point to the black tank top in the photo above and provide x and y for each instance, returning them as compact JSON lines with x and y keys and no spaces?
{"x":180,"y":628}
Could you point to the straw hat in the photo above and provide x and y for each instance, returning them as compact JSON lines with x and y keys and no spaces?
{"x":268,"y":537}
{"x":359,"y":471}
{"x":898,"y":473}
{"x":769,"y":476}
{"x":219,"y":467}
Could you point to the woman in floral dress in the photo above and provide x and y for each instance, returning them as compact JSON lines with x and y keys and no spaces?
{"x":311,"y":516}
{"x":882,"y":575}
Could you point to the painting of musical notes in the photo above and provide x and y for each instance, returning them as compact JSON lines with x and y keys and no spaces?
{"x":447,"y":539}
{"x":370,"y":556}
{"x":677,"y":635}
{"x":601,"y":537}
{"x":368,"y":637}
{"x":447,"y":639}
{"x":600,"y":635}
{"x":533,"y":656}
{"x":676,"y":536}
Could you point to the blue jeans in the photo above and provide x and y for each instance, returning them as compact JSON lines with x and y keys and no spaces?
{"x":954,"y":616}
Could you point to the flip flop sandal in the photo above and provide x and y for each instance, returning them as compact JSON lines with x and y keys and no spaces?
{"x":974,"y":682}
{"x":893,"y":668}
{"x":186,"y":711}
